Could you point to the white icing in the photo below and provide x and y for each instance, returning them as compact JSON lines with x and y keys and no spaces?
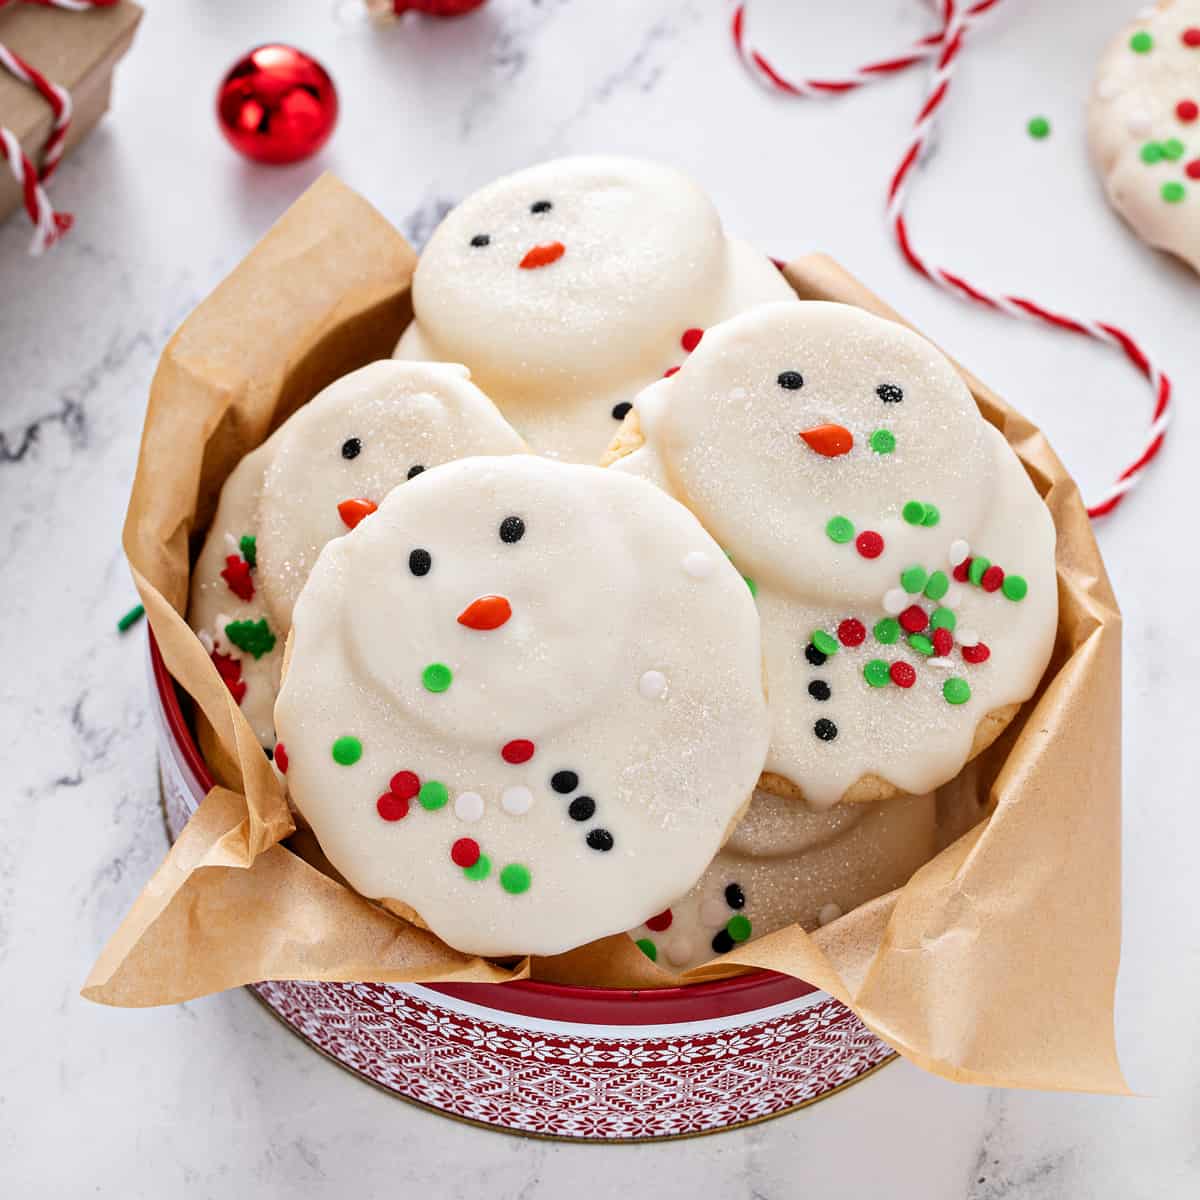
{"x":286,"y":494}
{"x":1133,"y":104}
{"x":767,"y":498}
{"x":593,"y":586}
{"x":558,"y":346}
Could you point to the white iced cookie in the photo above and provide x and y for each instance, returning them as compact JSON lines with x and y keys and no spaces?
{"x":902,"y":561}
{"x":524,"y":701}
{"x":787,"y":865}
{"x":1144,"y":126}
{"x":568,"y":286}
{"x":315,"y":477}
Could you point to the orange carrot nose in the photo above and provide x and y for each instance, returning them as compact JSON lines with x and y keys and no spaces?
{"x":829,"y":440}
{"x":488,"y":612}
{"x":543,"y":256}
{"x":353,"y":511}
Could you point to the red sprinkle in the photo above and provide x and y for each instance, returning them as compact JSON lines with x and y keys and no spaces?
{"x":1187,"y":110}
{"x":913,"y":619}
{"x":237,"y":576}
{"x":661,"y":922}
{"x":405,"y":784}
{"x":993,"y":577}
{"x":689,"y":341}
{"x":903,"y":675}
{"x":281,"y":758}
{"x":669,"y":372}
{"x":869,"y":544}
{"x":963,"y":570}
{"x":392,"y":807}
{"x":943,"y":642}
{"x":976,"y":654}
{"x":230,"y":670}
{"x":465,"y":852}
{"x":1190,"y":37}
{"x":1192,"y":170}
{"x":519,"y":750}
{"x":852,"y":632}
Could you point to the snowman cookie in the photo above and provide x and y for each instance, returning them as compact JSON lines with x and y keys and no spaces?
{"x":787,"y":865}
{"x":902,"y":561}
{"x":316,"y":477}
{"x":525,"y":702}
{"x":1144,"y":126}
{"x":568,"y":286}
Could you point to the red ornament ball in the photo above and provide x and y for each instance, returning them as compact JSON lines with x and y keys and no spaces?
{"x":277,"y":105}
{"x":436,"y":8}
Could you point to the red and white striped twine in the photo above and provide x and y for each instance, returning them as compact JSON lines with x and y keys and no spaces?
{"x":49,"y":225}
{"x":945,"y":47}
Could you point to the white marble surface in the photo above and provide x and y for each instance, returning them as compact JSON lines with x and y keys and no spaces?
{"x":214,"y":1098}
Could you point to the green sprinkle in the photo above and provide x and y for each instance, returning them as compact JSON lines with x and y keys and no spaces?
{"x":515,"y":879}
{"x":648,"y":948}
{"x":132,"y":617}
{"x":943,"y":618}
{"x":977,"y":568}
{"x":248,"y":545}
{"x":839,"y":529}
{"x":1038,"y":127}
{"x":825,"y":642}
{"x":1173,"y":191}
{"x":876,"y":673}
{"x":956,"y":691}
{"x":882,"y":441}
{"x":1151,"y":153}
{"x":1015,"y":587}
{"x":913,"y":579}
{"x":932,"y":516}
{"x":913,"y":512}
{"x":255,"y":637}
{"x":1173,"y":149}
{"x":738,"y":927}
{"x":921,"y":644}
{"x":938,"y":585}
{"x":751,"y":585}
{"x":480,"y":869}
{"x":1141,"y":42}
{"x":347,"y":750}
{"x":887,"y":631}
{"x":436,"y":677}
{"x":433,"y":795}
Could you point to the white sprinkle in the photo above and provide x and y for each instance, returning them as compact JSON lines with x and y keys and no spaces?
{"x":939,"y":662}
{"x":653,"y":685}
{"x":895,"y":601}
{"x":953,"y":596}
{"x":468,"y":806}
{"x":232,"y":544}
{"x":1139,"y":124}
{"x":738,"y":393}
{"x":1106,"y":89}
{"x":206,"y":640}
{"x":516,"y":800}
{"x":829,"y":912}
{"x":967,"y":637}
{"x":698,"y":564}
{"x":678,"y":951}
{"x":714,"y":914}
{"x":958,"y":551}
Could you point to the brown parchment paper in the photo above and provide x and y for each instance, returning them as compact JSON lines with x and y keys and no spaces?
{"x":996,"y":964}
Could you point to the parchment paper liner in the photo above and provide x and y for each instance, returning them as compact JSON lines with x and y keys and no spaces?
{"x":996,"y":964}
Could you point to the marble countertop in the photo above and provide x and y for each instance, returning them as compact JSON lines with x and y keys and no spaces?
{"x":213,"y":1098}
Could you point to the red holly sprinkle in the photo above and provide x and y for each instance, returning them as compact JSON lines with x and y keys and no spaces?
{"x":1192,"y":170}
{"x":392,"y":807}
{"x":943,"y":642}
{"x":405,"y":784}
{"x":519,"y":750}
{"x":913,"y":619}
{"x":903,"y":674}
{"x":869,"y":544}
{"x":281,"y":758}
{"x":689,"y":341}
{"x":230,"y":670}
{"x":852,"y":632}
{"x":962,"y":571}
{"x":993,"y":577}
{"x":669,"y":372}
{"x":465,"y":852}
{"x":1187,"y":110}
{"x":237,"y":576}
{"x":1190,"y":37}
{"x":976,"y":654}
{"x":661,"y":922}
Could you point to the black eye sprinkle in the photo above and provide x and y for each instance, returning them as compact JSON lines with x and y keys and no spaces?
{"x":415,"y":470}
{"x":621,"y":411}
{"x":792,"y":380}
{"x":600,"y":839}
{"x":512,"y":529}
{"x":419,"y":562}
{"x":582,"y":808}
{"x":351,"y":448}
{"x":480,"y":239}
{"x":540,"y":206}
{"x":564,"y":782}
{"x":889,"y":393}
